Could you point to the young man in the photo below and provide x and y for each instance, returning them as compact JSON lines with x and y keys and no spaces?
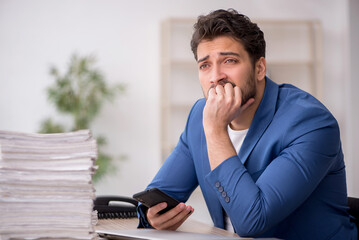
{"x":267,"y":157}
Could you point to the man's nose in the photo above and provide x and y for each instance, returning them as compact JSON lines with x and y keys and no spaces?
{"x":217,"y":75}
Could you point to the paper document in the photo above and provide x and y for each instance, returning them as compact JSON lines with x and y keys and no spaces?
{"x":46,"y":189}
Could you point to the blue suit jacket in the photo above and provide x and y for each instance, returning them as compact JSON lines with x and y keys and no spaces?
{"x":288,"y":180}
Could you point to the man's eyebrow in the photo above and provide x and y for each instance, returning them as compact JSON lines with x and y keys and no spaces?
{"x":221,"y":53}
{"x":203,"y":59}
{"x":229,"y":53}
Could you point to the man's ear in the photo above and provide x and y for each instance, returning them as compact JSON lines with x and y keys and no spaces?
{"x":261,"y":67}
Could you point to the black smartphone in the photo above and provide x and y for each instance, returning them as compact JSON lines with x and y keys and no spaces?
{"x":154,"y":196}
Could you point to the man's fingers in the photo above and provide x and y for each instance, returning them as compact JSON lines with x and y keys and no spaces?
{"x":160,"y":221}
{"x":237,"y":94}
{"x":220,"y":90}
{"x":164,"y":218}
{"x":229,"y":90}
{"x":177,"y":225}
{"x":177,"y":220}
{"x":238,"y":99}
{"x":152,"y":211}
{"x":211,"y":93}
{"x":247,"y":104}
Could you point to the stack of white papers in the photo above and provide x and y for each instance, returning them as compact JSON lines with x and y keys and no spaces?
{"x":46,"y":188}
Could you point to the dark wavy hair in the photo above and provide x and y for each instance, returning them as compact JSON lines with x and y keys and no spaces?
{"x":230,"y":23}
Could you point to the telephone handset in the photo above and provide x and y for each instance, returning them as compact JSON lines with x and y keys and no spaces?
{"x":115,"y":207}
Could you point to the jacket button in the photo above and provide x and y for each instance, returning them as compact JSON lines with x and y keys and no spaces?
{"x":227,"y":199}
{"x":217,"y":184}
{"x":224,"y":194}
{"x":220,"y":189}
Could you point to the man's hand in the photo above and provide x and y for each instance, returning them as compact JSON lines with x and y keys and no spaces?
{"x":223,"y":105}
{"x":170,"y":220}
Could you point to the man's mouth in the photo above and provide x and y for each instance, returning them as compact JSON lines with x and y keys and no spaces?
{"x":222,"y":83}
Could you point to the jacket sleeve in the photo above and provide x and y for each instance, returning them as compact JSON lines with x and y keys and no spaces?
{"x":284,"y":185}
{"x":177,"y":176}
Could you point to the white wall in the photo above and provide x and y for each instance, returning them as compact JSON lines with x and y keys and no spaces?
{"x":125,"y":36}
{"x":353,"y":100}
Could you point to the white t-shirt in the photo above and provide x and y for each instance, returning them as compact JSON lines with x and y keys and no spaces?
{"x":237,"y":138}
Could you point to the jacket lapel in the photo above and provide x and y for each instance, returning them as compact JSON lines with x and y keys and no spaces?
{"x":261,"y":120}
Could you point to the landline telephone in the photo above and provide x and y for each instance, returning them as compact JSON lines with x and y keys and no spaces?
{"x":115,"y":207}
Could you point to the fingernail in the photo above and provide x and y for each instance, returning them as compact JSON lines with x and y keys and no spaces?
{"x":163,"y":205}
{"x":181,"y":206}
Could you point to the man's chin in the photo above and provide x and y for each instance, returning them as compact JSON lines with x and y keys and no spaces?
{"x":245,"y":100}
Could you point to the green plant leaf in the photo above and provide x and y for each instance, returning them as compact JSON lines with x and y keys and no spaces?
{"x":48,"y":126}
{"x":80,"y":93}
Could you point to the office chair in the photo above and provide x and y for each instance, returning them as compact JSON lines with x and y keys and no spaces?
{"x":353,"y":204}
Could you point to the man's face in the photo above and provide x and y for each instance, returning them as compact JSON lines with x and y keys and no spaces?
{"x":223,"y":60}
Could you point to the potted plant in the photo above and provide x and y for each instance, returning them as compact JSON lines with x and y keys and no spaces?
{"x":80,"y":93}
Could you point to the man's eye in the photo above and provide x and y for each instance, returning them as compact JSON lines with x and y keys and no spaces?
{"x":203,"y":66}
{"x":231,"y":61}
